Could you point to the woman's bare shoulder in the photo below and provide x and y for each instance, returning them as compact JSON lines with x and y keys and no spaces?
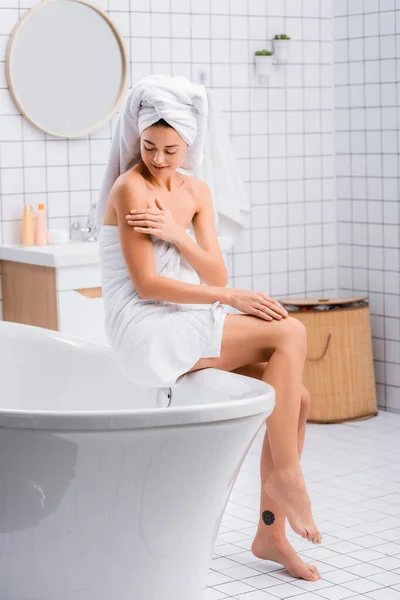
{"x":195,"y":184}
{"x":198,"y":190}
{"x":132,"y":178}
{"x":128,"y":191}
{"x":131,"y":183}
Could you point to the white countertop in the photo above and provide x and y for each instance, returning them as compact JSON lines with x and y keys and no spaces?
{"x":53,"y":255}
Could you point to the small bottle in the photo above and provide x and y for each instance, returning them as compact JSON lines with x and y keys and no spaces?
{"x":41,"y":226}
{"x":28,"y":232}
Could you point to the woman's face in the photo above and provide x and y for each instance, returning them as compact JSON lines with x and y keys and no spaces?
{"x":162,"y":149}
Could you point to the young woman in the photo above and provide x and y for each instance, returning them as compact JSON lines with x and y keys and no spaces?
{"x":159,"y":321}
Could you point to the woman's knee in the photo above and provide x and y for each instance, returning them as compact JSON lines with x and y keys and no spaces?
{"x":294,"y":335}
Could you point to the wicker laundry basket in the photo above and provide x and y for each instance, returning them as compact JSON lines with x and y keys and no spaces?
{"x":339,"y":371}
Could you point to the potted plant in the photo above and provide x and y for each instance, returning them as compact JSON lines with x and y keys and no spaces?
{"x":281,"y":47}
{"x":263,"y":60}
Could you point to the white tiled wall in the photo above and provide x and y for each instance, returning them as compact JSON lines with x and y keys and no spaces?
{"x":367,"y":94}
{"x":281,"y":130}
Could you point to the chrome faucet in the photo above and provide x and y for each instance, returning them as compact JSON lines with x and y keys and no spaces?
{"x":88,"y":233}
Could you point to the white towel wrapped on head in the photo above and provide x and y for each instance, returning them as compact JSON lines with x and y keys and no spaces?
{"x":176,"y":100}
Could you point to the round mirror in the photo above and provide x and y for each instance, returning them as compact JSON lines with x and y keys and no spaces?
{"x":66,"y":67}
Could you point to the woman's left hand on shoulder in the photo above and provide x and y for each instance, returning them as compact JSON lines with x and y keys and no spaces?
{"x":159,"y":222}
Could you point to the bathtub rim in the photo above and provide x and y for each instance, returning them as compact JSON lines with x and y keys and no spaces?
{"x":262,"y":403}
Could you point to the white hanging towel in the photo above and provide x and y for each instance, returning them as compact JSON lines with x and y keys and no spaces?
{"x":220,"y":171}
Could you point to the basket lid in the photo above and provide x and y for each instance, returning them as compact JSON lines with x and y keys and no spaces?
{"x":319,"y":301}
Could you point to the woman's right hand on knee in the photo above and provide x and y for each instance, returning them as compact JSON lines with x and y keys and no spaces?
{"x":257,"y":303}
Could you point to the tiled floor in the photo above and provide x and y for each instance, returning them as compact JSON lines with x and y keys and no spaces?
{"x":353,"y":477}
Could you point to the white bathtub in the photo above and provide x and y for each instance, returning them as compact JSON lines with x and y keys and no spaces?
{"x":105,"y":495}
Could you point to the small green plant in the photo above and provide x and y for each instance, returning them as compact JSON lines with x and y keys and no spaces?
{"x":281,"y":36}
{"x":263,"y":53}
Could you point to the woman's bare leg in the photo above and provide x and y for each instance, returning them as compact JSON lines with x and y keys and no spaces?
{"x":270,"y":541}
{"x":284,"y":343}
{"x":286,"y":483}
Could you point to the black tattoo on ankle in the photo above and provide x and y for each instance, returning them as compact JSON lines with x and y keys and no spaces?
{"x":268,"y":517}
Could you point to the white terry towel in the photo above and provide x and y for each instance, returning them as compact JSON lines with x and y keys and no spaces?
{"x":220,"y":171}
{"x":182,"y":104}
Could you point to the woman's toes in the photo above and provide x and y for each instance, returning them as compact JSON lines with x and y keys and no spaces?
{"x":314,"y":571}
{"x":315,"y":537}
{"x":312,"y":575}
{"x":314,"y":568}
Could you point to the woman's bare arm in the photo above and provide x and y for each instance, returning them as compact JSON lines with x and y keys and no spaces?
{"x":172,"y":290}
{"x":138,"y":252}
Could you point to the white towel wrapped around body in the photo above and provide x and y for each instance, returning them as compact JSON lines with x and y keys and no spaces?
{"x":155,"y":342}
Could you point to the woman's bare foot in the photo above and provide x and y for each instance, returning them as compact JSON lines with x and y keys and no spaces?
{"x":279,"y":550}
{"x":288,"y":489}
